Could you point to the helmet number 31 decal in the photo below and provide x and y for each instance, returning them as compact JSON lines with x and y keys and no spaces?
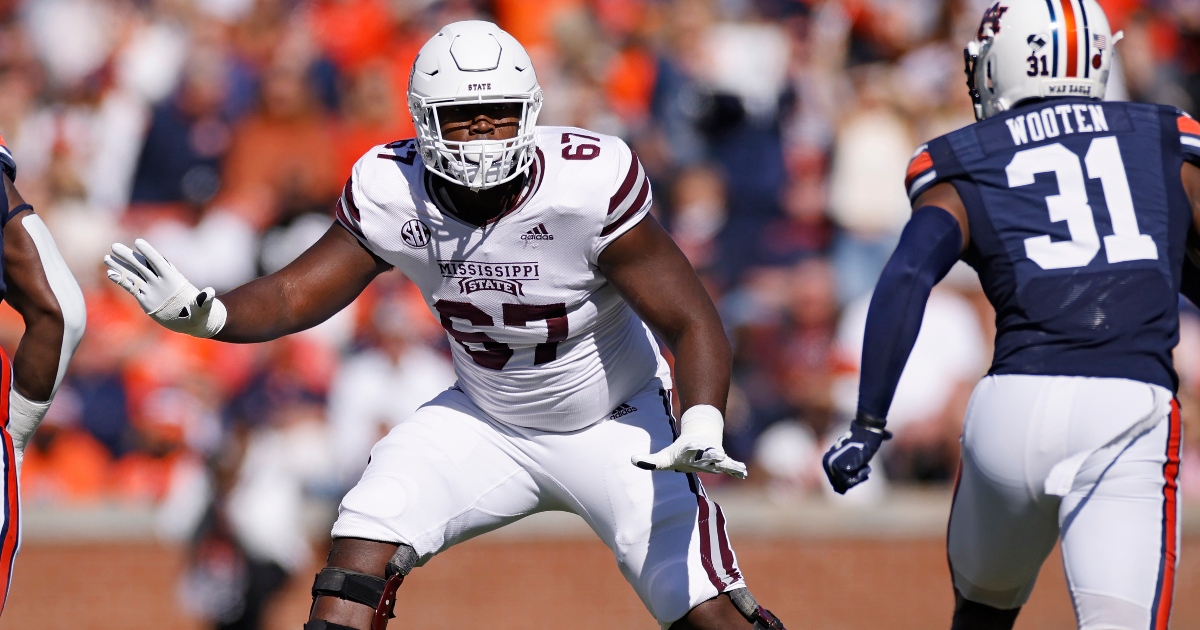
{"x":1034,"y":70}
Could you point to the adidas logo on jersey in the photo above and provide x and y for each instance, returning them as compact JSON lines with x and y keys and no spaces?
{"x":539,"y":233}
{"x":623,"y":410}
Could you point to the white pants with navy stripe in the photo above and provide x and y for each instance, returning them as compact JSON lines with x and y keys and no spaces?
{"x":449,"y":473}
{"x":1117,"y":517}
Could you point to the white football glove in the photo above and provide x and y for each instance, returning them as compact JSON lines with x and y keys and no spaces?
{"x":698,"y":447}
{"x":163,"y":292}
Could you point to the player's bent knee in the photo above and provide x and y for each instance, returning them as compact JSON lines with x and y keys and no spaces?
{"x":375,"y":593}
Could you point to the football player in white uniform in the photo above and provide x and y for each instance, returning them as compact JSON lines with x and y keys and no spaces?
{"x":535,"y":248}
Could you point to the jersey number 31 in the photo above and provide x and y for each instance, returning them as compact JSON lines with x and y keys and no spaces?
{"x":1103,"y":162}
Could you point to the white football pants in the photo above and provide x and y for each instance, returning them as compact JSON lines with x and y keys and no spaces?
{"x":1093,"y":460}
{"x":449,"y":473}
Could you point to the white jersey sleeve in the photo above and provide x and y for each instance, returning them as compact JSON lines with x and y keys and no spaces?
{"x":377,"y":191}
{"x":347,"y":213}
{"x":629,"y":202}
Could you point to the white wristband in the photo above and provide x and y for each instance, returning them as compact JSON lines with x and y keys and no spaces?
{"x":215,"y":320}
{"x":24,"y":416}
{"x":201,"y":321}
{"x":703,"y":422}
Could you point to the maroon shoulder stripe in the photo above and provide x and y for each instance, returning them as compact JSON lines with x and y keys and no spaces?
{"x":348,"y":193}
{"x":341,"y":217}
{"x":633,"y":209}
{"x":627,"y":185}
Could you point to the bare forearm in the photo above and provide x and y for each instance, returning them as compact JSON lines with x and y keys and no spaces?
{"x":660,"y":285}
{"x":322,"y":281}
{"x":703,"y":363}
{"x":35,"y":364}
{"x":260,"y":310}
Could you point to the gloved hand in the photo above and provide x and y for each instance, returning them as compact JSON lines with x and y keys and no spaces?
{"x":846,"y":461}
{"x":698,"y":447}
{"x":163,"y":292}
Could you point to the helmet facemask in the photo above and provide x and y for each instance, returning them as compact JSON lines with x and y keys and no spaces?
{"x":476,"y":164}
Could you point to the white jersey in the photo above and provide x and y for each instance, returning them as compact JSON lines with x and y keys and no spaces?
{"x":540,"y":338}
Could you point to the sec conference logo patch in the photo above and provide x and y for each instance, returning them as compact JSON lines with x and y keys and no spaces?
{"x":415,"y":233}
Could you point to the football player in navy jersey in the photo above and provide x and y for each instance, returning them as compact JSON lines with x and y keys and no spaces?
{"x":1075,"y":212}
{"x":35,"y":282}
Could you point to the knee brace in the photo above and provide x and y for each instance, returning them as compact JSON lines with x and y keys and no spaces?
{"x":368,"y":590}
{"x":755,"y":614}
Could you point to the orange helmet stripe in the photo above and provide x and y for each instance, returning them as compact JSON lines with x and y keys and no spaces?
{"x":1072,"y":36}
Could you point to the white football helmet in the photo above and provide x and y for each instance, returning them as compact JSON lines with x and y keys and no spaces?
{"x":1038,"y":49}
{"x":473,"y":62}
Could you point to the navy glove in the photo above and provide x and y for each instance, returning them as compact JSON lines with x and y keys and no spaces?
{"x":846,"y":462}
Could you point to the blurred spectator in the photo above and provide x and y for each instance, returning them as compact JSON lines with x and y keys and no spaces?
{"x":332,"y":22}
{"x":179,"y":169}
{"x":376,"y":389}
{"x":866,"y":188}
{"x":376,"y":112}
{"x":63,"y":463}
{"x":931,"y":397}
{"x":699,"y":213}
{"x":280,"y":165}
{"x":784,"y":353}
{"x":252,"y":536}
{"x":804,"y":230}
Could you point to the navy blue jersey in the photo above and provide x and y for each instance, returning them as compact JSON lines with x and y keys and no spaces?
{"x":1078,"y":220}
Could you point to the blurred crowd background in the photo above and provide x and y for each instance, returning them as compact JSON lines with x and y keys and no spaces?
{"x":776,"y":134}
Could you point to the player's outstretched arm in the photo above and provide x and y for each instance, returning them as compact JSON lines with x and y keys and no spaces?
{"x":42,"y":290}
{"x":321,"y":282}
{"x":929,"y":246}
{"x":658,"y":282}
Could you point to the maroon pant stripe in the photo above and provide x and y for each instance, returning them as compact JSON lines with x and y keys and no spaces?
{"x":706,"y":544}
{"x":727,"y":558}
